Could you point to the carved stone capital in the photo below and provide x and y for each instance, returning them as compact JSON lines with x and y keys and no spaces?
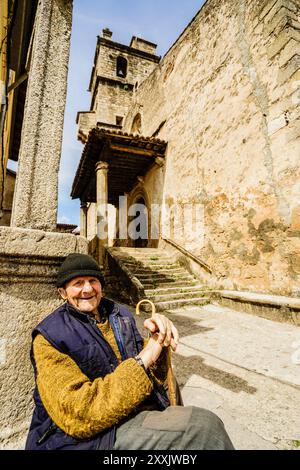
{"x":101,"y":166}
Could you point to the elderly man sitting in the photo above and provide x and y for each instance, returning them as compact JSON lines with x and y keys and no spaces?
{"x":99,"y":385}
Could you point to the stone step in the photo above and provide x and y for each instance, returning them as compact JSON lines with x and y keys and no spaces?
{"x":127,"y":249}
{"x":145,"y":272}
{"x":167,"y":284}
{"x":136,"y":254}
{"x":166,"y":290}
{"x":165,"y":281}
{"x":168,"y":305}
{"x":177,"y":296}
{"x":148,"y":261}
{"x":164,"y":278}
{"x":147,"y":253}
{"x":135,"y":265}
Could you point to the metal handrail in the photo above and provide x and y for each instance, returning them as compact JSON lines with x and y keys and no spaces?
{"x":189,"y":254}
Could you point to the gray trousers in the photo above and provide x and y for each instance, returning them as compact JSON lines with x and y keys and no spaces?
{"x":176,"y":428}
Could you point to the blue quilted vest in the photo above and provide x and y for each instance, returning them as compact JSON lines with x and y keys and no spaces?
{"x":76,"y":334}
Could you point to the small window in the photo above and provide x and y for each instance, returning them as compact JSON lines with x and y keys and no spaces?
{"x":119,"y":120}
{"x":121,"y":67}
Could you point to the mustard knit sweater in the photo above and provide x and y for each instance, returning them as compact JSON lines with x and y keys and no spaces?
{"x":82,"y":408}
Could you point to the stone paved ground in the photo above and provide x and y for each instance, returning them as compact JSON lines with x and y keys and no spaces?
{"x":240,"y":367}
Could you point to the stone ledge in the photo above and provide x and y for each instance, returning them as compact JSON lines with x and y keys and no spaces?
{"x":286,"y":72}
{"x":266,"y":299}
{"x":273,"y":307}
{"x":266,"y":9}
{"x":287,"y":5}
{"x":285,"y":22}
{"x":37,"y":243}
{"x":20,"y":268}
{"x":286,"y":36}
{"x":291,"y":50}
{"x":33,"y":256}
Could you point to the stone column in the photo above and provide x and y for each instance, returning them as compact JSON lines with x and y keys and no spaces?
{"x":29,"y":258}
{"x":102,"y":206}
{"x":35,"y":199}
{"x":91,"y":221}
{"x":83,"y":220}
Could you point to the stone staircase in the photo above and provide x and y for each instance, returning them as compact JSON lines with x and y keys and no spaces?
{"x":165,"y":282}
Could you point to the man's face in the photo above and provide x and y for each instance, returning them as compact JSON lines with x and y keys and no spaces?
{"x":84,"y":293}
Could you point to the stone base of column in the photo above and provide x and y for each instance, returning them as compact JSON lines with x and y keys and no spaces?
{"x":29,"y":260}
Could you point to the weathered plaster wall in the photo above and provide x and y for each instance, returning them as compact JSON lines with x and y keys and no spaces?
{"x":228,"y":90}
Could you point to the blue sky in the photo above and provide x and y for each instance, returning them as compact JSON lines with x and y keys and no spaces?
{"x":159,"y":21}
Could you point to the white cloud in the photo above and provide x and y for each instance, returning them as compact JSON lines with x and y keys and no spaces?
{"x":63,"y":220}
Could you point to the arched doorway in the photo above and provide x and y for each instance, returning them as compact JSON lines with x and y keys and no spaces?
{"x":140,"y":237}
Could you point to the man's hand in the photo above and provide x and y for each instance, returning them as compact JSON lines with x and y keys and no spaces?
{"x":167,"y":333}
{"x":163,"y":334}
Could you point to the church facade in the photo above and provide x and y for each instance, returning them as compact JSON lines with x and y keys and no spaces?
{"x":209,"y":132}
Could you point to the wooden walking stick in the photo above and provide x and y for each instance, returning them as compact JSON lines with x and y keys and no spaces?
{"x":170,"y":375}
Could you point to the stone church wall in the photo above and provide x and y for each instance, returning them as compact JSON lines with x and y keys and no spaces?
{"x":112,"y":101}
{"x":226,"y":99}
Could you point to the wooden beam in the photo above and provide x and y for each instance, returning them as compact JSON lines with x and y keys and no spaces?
{"x":133,"y":150}
{"x":17,"y":82}
{"x":132,"y":166}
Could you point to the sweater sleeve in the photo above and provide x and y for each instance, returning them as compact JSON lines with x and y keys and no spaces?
{"x":159,"y":369}
{"x":82,"y":408}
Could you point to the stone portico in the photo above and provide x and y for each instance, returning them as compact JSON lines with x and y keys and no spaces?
{"x":112,"y":165}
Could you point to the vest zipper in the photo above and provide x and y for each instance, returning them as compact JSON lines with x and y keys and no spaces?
{"x":117,"y":327}
{"x":47,"y":433}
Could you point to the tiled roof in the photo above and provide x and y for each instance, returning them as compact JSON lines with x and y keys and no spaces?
{"x":128,"y":155}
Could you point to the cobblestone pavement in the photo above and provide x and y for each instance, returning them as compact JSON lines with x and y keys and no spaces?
{"x":240,"y":367}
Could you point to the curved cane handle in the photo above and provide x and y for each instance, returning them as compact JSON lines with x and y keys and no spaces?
{"x":137,"y":308}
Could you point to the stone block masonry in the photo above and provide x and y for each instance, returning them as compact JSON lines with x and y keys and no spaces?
{"x":112,"y":89}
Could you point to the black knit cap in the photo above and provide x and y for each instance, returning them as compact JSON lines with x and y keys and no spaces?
{"x":77,"y":264}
